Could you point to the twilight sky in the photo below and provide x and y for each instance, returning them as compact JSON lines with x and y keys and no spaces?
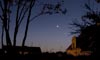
{"x":52,"y":32}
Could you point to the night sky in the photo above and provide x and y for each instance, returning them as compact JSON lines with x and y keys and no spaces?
{"x":52,"y":32}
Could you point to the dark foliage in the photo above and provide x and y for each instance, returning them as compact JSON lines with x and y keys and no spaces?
{"x":89,"y":36}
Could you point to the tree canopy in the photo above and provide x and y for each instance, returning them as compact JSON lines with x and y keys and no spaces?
{"x":89,"y":31}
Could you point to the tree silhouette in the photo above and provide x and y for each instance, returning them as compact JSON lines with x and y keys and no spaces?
{"x":89,"y":30}
{"x":23,"y":12}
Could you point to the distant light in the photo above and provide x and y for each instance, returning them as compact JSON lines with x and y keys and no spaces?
{"x":98,"y":24}
{"x":5,"y":51}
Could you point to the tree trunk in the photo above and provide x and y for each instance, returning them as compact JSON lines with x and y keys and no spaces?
{"x":8,"y":41}
{"x":27,"y":24}
{"x":2,"y":35}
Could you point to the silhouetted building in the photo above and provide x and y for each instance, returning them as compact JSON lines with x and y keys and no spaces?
{"x":19,"y":50}
{"x":75,"y":50}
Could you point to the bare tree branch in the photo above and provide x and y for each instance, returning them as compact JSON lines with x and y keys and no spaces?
{"x":23,"y":16}
{"x":21,"y":11}
{"x":1,"y":18}
{"x":8,"y":16}
{"x":36,"y":16}
{"x":1,"y":6}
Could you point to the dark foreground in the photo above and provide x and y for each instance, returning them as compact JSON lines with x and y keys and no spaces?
{"x":46,"y":56}
{"x":34,"y":53}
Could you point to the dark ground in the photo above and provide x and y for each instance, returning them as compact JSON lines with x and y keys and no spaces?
{"x":46,"y":56}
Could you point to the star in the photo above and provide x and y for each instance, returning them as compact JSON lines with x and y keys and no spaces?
{"x":57,"y":26}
